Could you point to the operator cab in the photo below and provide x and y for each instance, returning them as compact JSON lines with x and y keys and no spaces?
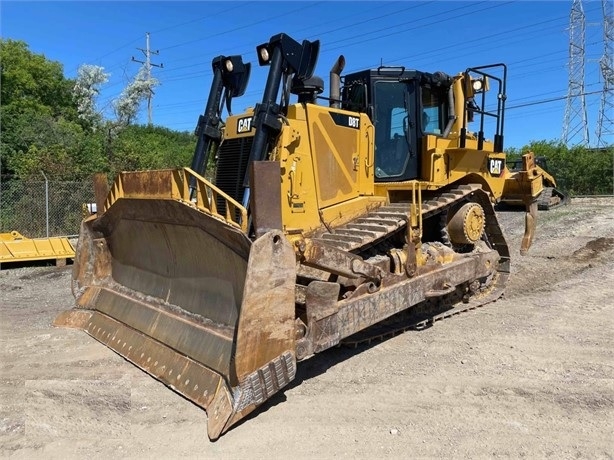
{"x":404,"y":106}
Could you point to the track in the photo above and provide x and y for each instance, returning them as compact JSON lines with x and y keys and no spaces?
{"x":426,"y":316}
{"x":362,"y":233}
{"x":551,"y":198}
{"x":366,"y":232}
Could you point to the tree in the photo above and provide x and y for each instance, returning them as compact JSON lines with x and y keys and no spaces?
{"x":36,"y":105}
{"x":138,"y":147}
{"x":577,"y":170}
{"x":31,"y":79}
{"x":127,"y":105}
{"x":87,"y":87}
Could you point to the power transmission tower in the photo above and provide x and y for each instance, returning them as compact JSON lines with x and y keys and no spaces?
{"x":148,"y":65}
{"x":605,"y":124}
{"x":576,"y":122}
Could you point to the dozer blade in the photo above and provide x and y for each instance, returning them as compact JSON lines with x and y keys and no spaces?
{"x":14,"y":247}
{"x":185,"y":296}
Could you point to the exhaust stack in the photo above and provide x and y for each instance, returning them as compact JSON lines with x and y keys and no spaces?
{"x":335,"y":82}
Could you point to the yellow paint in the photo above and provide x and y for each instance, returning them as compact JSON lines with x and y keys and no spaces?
{"x":14,"y":247}
{"x":327,"y":168}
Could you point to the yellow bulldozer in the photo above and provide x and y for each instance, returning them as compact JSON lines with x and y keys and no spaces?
{"x":330,"y":219}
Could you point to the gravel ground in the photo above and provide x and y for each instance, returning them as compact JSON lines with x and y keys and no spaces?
{"x":531,"y":375}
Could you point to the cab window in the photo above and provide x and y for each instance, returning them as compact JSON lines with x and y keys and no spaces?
{"x":391,"y":125}
{"x":434,"y":108}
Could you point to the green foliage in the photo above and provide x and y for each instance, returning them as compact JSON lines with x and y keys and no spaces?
{"x":42,"y":129}
{"x":149,"y":147}
{"x":32,"y":80}
{"x":577,"y":170}
{"x":59,"y":148}
{"x":42,"y":135}
{"x":39,"y":118}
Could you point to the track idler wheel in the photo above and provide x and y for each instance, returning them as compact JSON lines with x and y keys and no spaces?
{"x":466,"y":224}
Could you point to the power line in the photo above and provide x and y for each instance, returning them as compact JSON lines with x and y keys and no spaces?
{"x":544,"y":101}
{"x":348,"y":42}
{"x":377,"y":30}
{"x":237,"y":28}
{"x":148,"y":65}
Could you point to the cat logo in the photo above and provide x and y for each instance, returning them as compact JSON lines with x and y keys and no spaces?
{"x":244,"y":125}
{"x":495,"y":166}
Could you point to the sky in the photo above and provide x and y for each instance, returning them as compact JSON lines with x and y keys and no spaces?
{"x":530,"y":37}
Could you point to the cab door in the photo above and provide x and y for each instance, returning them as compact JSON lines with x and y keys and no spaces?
{"x":396,"y":153}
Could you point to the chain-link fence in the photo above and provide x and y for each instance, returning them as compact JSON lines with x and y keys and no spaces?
{"x":39,"y":209}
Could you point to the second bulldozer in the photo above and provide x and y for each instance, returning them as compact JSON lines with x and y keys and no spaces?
{"x":327,"y":216}
{"x":551,"y":197}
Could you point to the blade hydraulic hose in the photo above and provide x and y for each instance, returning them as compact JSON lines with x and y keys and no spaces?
{"x":285,"y":56}
{"x":266,"y":121}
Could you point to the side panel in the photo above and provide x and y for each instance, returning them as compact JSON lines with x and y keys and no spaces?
{"x":335,"y":137}
{"x":326,"y":158}
{"x":454,"y":165}
{"x":299,"y":202}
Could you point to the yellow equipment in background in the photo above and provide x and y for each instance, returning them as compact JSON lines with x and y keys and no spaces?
{"x":374,"y":210}
{"x":551,"y":196}
{"x":14,"y":247}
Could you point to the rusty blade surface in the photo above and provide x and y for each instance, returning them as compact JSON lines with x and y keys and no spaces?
{"x":189,"y":299}
{"x":167,"y":270}
{"x":188,"y":377}
{"x":162,"y":284}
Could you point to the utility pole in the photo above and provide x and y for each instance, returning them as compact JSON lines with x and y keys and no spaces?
{"x":605,"y":124}
{"x":148,"y":65}
{"x":575,"y":123}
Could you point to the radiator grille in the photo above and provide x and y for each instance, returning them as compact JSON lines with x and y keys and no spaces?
{"x":232,"y":158}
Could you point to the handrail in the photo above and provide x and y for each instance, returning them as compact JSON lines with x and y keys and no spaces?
{"x":176,"y":185}
{"x":206,"y":198}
